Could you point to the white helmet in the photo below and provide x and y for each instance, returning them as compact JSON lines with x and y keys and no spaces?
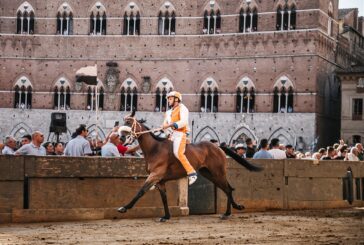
{"x":175,"y":94}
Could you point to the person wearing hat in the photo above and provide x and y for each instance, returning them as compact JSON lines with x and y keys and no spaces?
{"x":177,"y":119}
{"x":240,"y":150}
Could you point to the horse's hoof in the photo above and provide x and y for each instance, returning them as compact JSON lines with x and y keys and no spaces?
{"x":224,"y":217}
{"x":239,"y":207}
{"x":122,"y":210}
{"x":162,"y":219}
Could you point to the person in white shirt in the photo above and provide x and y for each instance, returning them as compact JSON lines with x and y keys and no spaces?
{"x":275,"y":151}
{"x":10,"y":146}
{"x":110,"y":148}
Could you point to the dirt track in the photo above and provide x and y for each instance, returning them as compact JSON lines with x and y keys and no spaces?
{"x":328,"y":227}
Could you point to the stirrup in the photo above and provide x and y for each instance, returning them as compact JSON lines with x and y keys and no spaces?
{"x":192,"y":178}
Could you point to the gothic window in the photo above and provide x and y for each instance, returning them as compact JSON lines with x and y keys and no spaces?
{"x":98,"y":20}
{"x":286,"y":18}
{"x":129,"y":96}
{"x":248,"y":20}
{"x":167,"y":20}
{"x":23,"y":93}
{"x":283,"y":96}
{"x":245,"y":97}
{"x":64,"y":20}
{"x":95,"y":96}
{"x":163,"y":87}
{"x":212,"y":22}
{"x":131,"y":20}
{"x":25,"y":19}
{"x":62,"y":95}
{"x":209,"y":96}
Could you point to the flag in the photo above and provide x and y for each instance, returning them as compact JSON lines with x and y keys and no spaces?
{"x":87,"y":75}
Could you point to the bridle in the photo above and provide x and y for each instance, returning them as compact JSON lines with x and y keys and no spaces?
{"x":133,"y":132}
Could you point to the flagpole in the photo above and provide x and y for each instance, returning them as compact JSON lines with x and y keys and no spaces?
{"x":97,"y":114}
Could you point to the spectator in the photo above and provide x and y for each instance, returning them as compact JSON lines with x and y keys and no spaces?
{"x":49,"y":148}
{"x":360,"y":151}
{"x":290,"y":151}
{"x":250,"y":148}
{"x":240,"y":150}
{"x":34,"y":148}
{"x":308,"y":155}
{"x":263,"y":152}
{"x":26,"y":139}
{"x":125,"y":149}
{"x":342,"y":154}
{"x":79,"y":146}
{"x":330,"y":154}
{"x":59,"y":149}
{"x":353,"y":155}
{"x":110,"y":148}
{"x":10,"y":146}
{"x":275,"y":151}
{"x":316,"y":156}
{"x":1,"y":147}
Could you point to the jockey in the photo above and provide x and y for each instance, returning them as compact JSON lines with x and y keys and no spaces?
{"x":177,"y":119}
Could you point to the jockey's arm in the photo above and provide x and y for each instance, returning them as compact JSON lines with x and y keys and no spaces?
{"x":183,"y":122}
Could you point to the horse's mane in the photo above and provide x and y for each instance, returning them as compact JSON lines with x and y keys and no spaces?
{"x":142,"y":121}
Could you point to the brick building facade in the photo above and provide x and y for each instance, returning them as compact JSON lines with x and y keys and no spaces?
{"x":256,"y":58}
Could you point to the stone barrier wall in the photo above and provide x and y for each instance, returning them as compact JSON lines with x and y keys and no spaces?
{"x":293,"y":184}
{"x":37,"y":189}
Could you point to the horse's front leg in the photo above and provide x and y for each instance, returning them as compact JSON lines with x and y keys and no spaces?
{"x":151,"y":180}
{"x":162,"y":190}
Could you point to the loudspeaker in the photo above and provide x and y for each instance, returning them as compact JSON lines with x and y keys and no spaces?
{"x":58,"y":123}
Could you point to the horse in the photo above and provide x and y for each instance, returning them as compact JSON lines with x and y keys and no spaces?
{"x":206,"y":158}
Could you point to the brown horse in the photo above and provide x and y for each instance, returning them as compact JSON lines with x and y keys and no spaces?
{"x":207,"y":158}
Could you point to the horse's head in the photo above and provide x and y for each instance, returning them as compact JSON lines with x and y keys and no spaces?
{"x":135,"y":127}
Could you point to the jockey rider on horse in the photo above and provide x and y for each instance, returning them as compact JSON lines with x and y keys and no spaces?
{"x":177,"y":119}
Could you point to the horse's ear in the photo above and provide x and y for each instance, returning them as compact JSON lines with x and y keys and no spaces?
{"x":132,"y":113}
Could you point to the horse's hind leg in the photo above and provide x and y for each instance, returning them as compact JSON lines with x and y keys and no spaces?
{"x":162,"y":190}
{"x":222,"y":183}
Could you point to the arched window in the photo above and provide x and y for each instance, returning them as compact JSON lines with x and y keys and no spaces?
{"x":209,"y":96}
{"x":286,"y":17}
{"x":283,"y":96}
{"x":98,"y":19}
{"x":64,"y":20}
{"x":23,"y":93}
{"x":95,"y":97}
{"x":242,"y":17}
{"x":212,"y":20}
{"x":129,"y":96}
{"x":132,"y":20}
{"x":25,"y":19}
{"x":62,"y":95}
{"x":163,"y":87}
{"x":167,"y":20}
{"x":245,"y":96}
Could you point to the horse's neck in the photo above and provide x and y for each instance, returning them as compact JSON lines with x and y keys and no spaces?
{"x":147,"y":142}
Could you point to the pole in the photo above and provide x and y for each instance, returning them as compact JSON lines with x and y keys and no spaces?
{"x":97,"y":113}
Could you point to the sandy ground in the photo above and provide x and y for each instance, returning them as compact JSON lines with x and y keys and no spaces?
{"x":279,"y":227}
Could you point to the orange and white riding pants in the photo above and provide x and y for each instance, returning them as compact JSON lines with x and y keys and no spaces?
{"x":179,"y":147}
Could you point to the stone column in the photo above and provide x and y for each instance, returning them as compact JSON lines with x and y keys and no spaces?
{"x":282,"y":20}
{"x":248,"y":104}
{"x":289,"y":20}
{"x":208,"y":24}
{"x":21,"y":25}
{"x":101,"y":19}
{"x":128,"y":25}
{"x":279,"y":102}
{"x":59,"y":100}
{"x":244,"y":23}
{"x":28,"y":25}
{"x":214,"y":24}
{"x":251,"y":22}
{"x":95,"y":25}
{"x":134,"y":25}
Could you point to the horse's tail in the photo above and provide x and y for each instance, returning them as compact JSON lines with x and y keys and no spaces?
{"x":240,"y":160}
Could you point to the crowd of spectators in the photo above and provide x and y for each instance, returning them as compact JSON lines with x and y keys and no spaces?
{"x":80,"y":145}
{"x":113,"y":146}
{"x":275,"y":150}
